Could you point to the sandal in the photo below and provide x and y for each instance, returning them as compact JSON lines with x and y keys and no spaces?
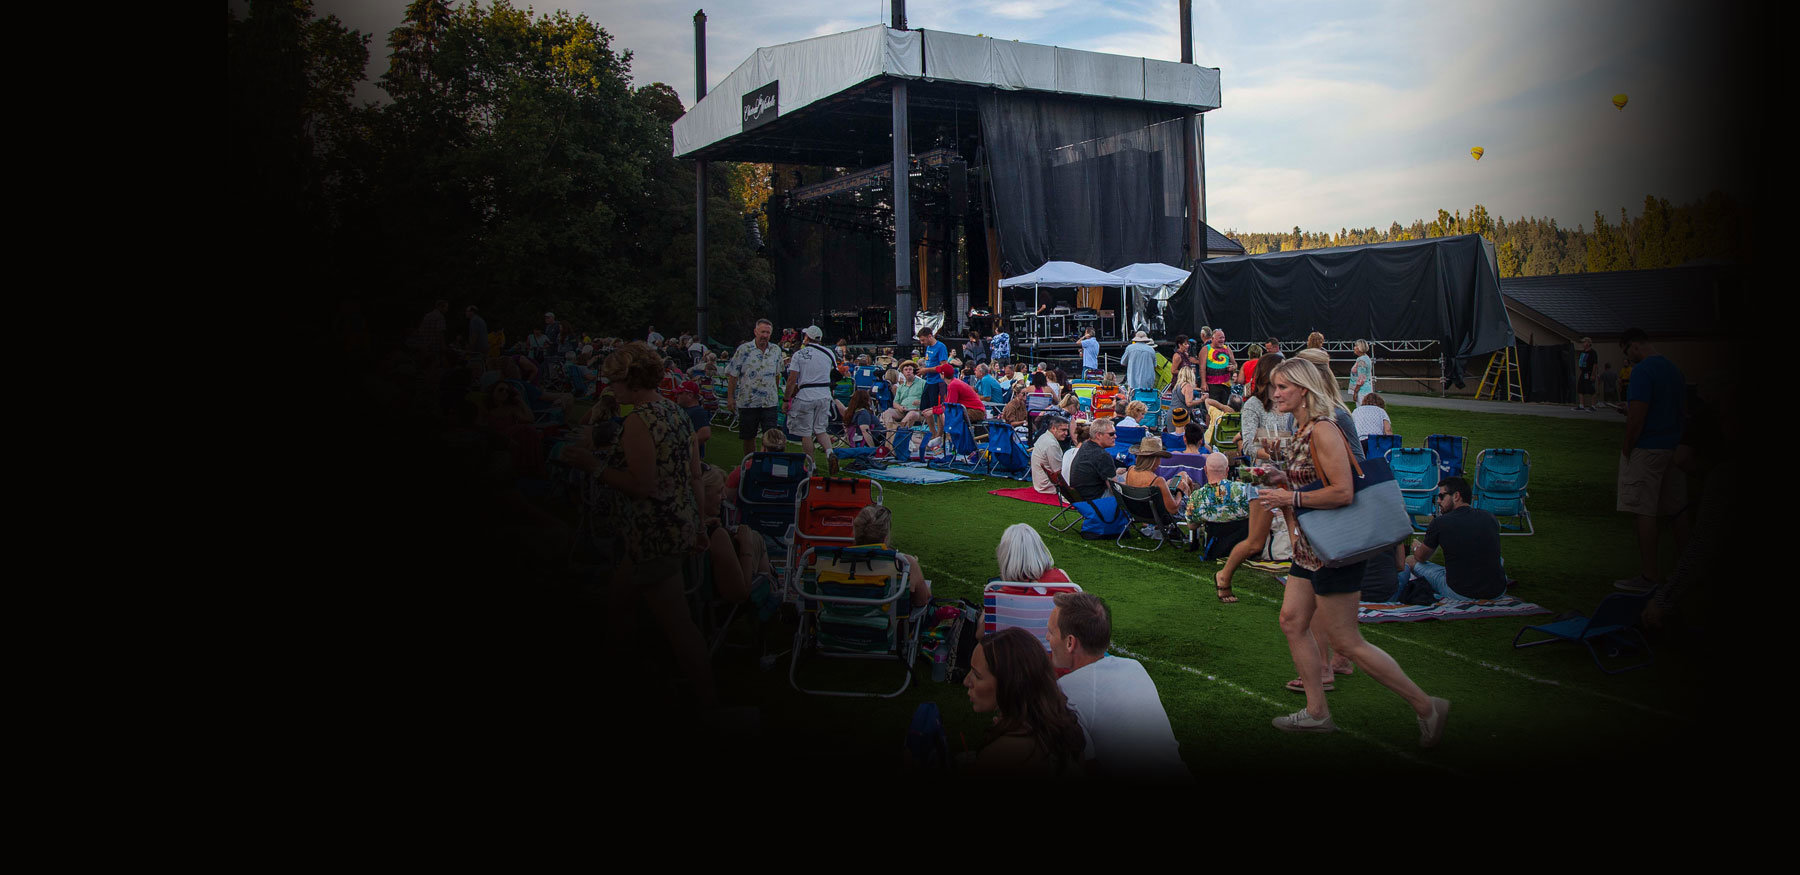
{"x":1299,"y":687}
{"x":1224,"y":591}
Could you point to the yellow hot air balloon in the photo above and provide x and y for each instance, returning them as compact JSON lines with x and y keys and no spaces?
{"x":1477,"y":152}
{"x":1619,"y":101}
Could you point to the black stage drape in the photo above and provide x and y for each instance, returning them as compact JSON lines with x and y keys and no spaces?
{"x":1442,"y":289}
{"x":1084,"y":181}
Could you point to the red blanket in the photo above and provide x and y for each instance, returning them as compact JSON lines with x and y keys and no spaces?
{"x":1026,"y":493}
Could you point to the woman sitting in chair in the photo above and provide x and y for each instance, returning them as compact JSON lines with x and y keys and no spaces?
{"x":871,"y":529}
{"x":1023,"y":558}
{"x":1034,"y":733}
{"x":1014,"y":413}
{"x":1142,"y":481}
{"x":1134,"y":415}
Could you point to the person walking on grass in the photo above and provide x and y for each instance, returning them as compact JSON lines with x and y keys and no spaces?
{"x":1321,"y":454}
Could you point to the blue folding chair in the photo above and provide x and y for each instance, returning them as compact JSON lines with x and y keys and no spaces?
{"x":1006,"y":456}
{"x":1152,"y":405}
{"x":959,"y":438}
{"x":1451,"y":451}
{"x":865,"y":376}
{"x":1501,"y":481}
{"x":1375,"y":446}
{"x":1416,"y":471}
{"x":1128,"y":436}
{"x":1617,"y":615}
{"x":769,"y":494}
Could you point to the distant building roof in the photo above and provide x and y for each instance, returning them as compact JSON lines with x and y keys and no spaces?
{"x":1676,"y":301}
{"x":1216,"y":242}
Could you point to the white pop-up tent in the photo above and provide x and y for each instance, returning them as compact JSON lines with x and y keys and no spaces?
{"x":1150,"y":281}
{"x":1062,"y":275}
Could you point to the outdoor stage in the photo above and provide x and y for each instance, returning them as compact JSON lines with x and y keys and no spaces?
{"x":912,"y":170}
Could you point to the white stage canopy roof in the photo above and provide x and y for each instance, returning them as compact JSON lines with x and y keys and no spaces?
{"x":811,"y":70}
{"x":1064,"y":275}
{"x":1150,"y":273}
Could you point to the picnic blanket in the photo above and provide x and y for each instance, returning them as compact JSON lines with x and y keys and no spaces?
{"x":912,"y":472}
{"x":1400,"y":612}
{"x":1027,"y":493}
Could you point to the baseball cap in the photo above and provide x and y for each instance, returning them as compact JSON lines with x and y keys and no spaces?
{"x":814,"y":332}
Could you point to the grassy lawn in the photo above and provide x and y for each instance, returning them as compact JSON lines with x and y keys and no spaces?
{"x":1221,"y":668}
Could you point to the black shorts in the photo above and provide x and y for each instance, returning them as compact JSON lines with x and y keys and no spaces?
{"x":753,"y":421}
{"x":934,"y":395}
{"x":1331,"y":581}
{"x":1585,"y":386}
{"x":1220,"y":392}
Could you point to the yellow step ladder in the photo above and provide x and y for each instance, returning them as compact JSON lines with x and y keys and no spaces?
{"x":1501,"y":366}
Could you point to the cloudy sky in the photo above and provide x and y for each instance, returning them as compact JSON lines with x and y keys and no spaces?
{"x":1335,"y":114}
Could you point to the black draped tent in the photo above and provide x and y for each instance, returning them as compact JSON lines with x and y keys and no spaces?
{"x":1443,"y":289}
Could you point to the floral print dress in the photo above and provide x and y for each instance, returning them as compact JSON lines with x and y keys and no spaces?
{"x":667,"y":522}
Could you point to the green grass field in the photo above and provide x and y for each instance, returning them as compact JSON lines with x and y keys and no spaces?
{"x":1221,"y":667}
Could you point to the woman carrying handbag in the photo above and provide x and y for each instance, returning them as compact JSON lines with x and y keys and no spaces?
{"x":1321,"y":452}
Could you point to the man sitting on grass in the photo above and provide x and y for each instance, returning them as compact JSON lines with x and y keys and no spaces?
{"x":1129,"y":736}
{"x":1470,"y":537}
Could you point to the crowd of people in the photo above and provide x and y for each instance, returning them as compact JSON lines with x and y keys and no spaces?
{"x":1076,"y":709}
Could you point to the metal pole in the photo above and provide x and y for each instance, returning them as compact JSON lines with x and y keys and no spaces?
{"x":700,"y":184}
{"x":1193,"y":244}
{"x":903,"y":284}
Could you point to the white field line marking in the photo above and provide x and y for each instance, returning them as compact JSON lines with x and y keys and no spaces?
{"x":1277,"y":706}
{"x":1374,"y":630}
{"x":1533,"y":678}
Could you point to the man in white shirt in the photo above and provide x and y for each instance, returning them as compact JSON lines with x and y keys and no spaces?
{"x":810,"y":374}
{"x":1128,"y":731}
{"x":1048,"y":451}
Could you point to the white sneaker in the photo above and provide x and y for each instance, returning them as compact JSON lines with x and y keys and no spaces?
{"x":1303,"y":721}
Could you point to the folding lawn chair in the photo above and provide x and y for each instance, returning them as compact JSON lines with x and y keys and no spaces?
{"x":1104,"y":402}
{"x":1617,"y":615}
{"x":1223,"y":433}
{"x":769,"y":495}
{"x":1006,"y":456}
{"x":1129,"y":435}
{"x":1015,"y":605}
{"x":1069,"y":500}
{"x":1501,"y":478}
{"x":959,"y":437}
{"x":1451,"y":451}
{"x":1145,"y":506}
{"x":1416,"y":471}
{"x":865,"y":376}
{"x":854,"y":604}
{"x":1375,"y":446}
{"x":1152,"y":403}
{"x":828,"y":511}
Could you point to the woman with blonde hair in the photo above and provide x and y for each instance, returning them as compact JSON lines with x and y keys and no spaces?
{"x":1134,"y":415}
{"x":1362,"y":374}
{"x":1315,"y":340}
{"x":1321,"y":454}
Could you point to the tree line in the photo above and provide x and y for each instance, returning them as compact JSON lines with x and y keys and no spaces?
{"x":514,"y":165}
{"x":1662,"y":235}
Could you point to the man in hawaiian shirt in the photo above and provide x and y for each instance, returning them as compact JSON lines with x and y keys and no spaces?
{"x":753,"y":381}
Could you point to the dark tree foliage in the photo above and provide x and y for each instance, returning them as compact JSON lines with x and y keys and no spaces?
{"x":514,"y":167}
